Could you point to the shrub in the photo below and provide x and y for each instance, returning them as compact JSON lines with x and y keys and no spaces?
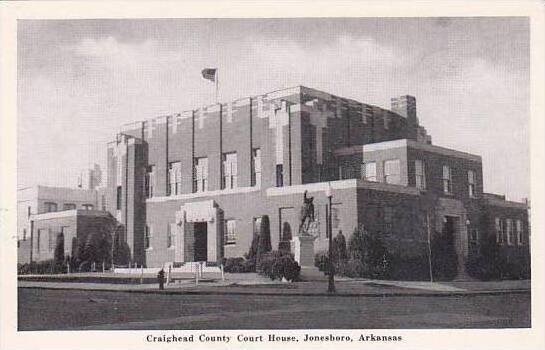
{"x":278,"y":265}
{"x":340,"y":254}
{"x":59,"y":249}
{"x":321,"y":261}
{"x":284,"y":244}
{"x":370,"y":251}
{"x":252,"y":253}
{"x":41,"y":267}
{"x":414,"y":268}
{"x":264,"y":245}
{"x":234,"y":265}
{"x":352,"y":268}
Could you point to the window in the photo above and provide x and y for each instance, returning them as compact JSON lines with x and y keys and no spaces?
{"x":200,"y":180}
{"x":369,"y":171}
{"x":447,"y":179}
{"x":420,"y":174}
{"x":335,"y":218}
{"x":256,"y":167}
{"x":510,"y":233}
{"x":279,"y":175}
{"x":50,"y":207}
{"x":388,"y":219}
{"x":392,"y":172}
{"x":149,"y":181}
{"x":229,"y":164}
{"x":28,"y":211}
{"x":169,"y":236}
{"x":174,"y":178}
{"x":119,"y":191}
{"x":87,"y":206}
{"x":24,"y":234}
{"x":473,"y":235}
{"x":386,"y":121}
{"x":230,"y":232}
{"x":147,"y":237}
{"x":38,"y":240}
{"x":68,"y":206}
{"x":499,"y":230}
{"x":519,"y":232}
{"x":471,"y":183}
{"x":51,"y":243}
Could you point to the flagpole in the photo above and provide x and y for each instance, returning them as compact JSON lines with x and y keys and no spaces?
{"x":217,"y":84}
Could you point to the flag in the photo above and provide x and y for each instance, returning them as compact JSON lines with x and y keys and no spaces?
{"x":209,"y":74}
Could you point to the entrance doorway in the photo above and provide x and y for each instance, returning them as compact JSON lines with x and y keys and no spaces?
{"x":201,"y":241}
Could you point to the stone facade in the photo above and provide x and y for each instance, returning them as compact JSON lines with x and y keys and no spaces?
{"x":215,"y":171}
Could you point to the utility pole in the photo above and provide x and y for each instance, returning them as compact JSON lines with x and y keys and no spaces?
{"x":331,"y":277}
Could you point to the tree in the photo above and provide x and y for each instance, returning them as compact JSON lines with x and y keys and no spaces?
{"x":121,"y":253}
{"x":264,"y":245}
{"x":252,"y":253}
{"x":340,"y":254}
{"x":284,"y":243}
{"x":367,"y":250}
{"x":59,"y":249}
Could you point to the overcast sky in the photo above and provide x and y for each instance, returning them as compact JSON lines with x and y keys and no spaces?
{"x":79,"y":80}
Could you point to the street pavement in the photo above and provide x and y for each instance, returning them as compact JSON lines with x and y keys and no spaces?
{"x":56,"y":309}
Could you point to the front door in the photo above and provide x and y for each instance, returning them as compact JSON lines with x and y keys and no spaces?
{"x":201,"y":241}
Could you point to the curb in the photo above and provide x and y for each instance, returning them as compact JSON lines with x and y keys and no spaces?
{"x":254,"y":293}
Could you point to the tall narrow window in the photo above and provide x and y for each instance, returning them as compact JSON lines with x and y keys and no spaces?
{"x":230,"y":232}
{"x":256,"y":167}
{"x":471,"y":183}
{"x":447,"y":179}
{"x":38,"y":240}
{"x":229,"y":170}
{"x":369,"y":171}
{"x":147,"y":237}
{"x":200,"y":181}
{"x":392,"y":172}
{"x":388,"y":219}
{"x":169,"y":236}
{"x":519,"y":232}
{"x":51,"y":245}
{"x":510,"y":233}
{"x":499,"y":230}
{"x":386,"y":121}
{"x":279,"y":175}
{"x":174,"y":178}
{"x":149,"y":182}
{"x":50,"y":207}
{"x":118,"y":201}
{"x":420,"y":174}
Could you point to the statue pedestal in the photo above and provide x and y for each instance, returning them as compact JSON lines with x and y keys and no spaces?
{"x":303,"y":250}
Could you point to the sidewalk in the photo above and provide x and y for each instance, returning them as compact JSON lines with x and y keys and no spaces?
{"x":344,"y":287}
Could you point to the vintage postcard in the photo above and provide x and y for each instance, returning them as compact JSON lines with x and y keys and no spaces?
{"x":243,"y":175}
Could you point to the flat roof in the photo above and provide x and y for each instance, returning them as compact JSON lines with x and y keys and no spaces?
{"x":245,"y":100}
{"x":405,"y":143}
{"x":68,"y":213}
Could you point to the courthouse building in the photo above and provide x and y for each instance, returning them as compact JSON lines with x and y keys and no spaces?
{"x":194,"y":186}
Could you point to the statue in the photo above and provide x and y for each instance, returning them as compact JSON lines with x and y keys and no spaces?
{"x":307,"y":213}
